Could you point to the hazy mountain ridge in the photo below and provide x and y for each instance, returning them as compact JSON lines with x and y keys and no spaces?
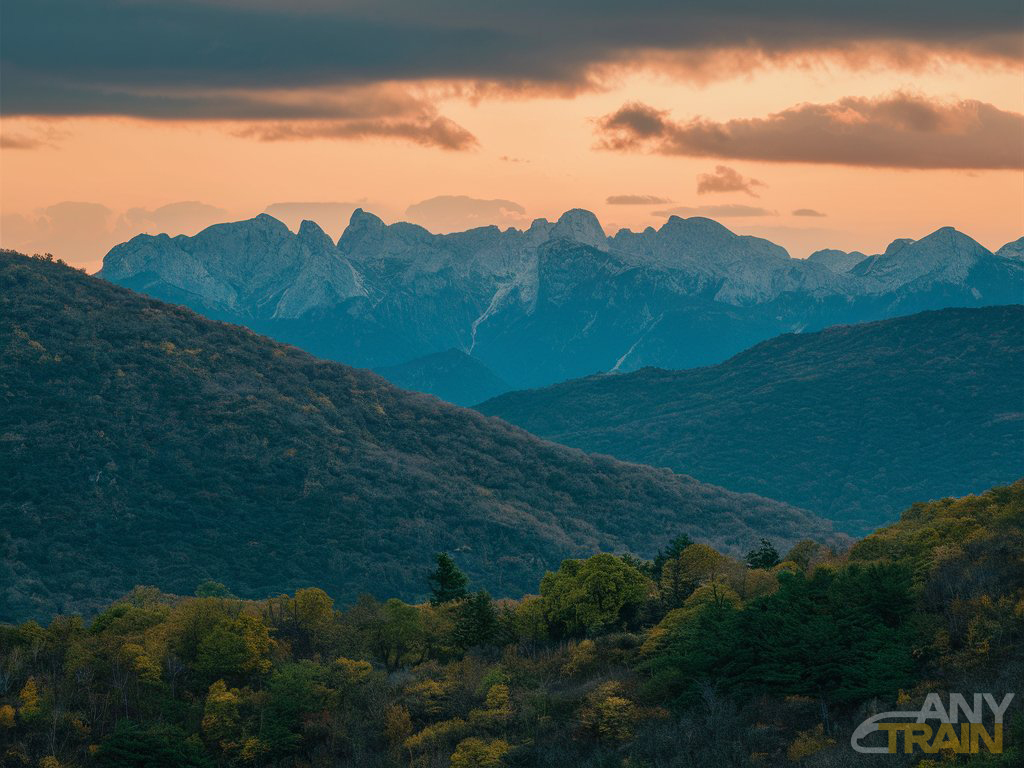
{"x":853,"y":422}
{"x":451,"y":375}
{"x":836,"y":260}
{"x":555,"y":301}
{"x":191,"y":449}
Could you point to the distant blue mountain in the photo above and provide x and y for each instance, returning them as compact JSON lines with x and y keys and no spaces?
{"x":555,"y":301}
{"x":451,"y":375}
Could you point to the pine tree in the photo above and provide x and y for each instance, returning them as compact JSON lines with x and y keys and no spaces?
{"x":765,"y":556}
{"x":671,"y":552}
{"x":449,"y":583}
{"x":478,"y":621}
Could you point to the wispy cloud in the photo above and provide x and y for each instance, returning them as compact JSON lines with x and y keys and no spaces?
{"x":82,"y":232}
{"x":431,"y":131}
{"x":451,"y":213}
{"x":19,"y":141}
{"x":810,"y":212}
{"x":729,"y":211}
{"x":636,"y":200}
{"x":897,"y":131}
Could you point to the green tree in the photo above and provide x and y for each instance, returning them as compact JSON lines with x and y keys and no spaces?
{"x":211,"y":588}
{"x":392,"y":632}
{"x":804,"y":553}
{"x":233,"y":648}
{"x":671,"y":552}
{"x":449,"y":583}
{"x":153,"y":746}
{"x":593,"y":594}
{"x":477,"y":622}
{"x":306,"y":620}
{"x":766,"y":556}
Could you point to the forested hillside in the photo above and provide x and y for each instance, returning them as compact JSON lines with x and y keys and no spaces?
{"x":853,"y":422}
{"x":690,"y":659}
{"x":142,"y":443}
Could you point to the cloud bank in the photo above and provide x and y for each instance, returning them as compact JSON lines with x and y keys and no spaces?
{"x":896,"y":131}
{"x":229,"y":59}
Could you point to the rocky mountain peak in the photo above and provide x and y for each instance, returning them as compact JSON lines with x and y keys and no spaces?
{"x":897,"y":245}
{"x":581,"y":226}
{"x":946,"y":255}
{"x":312,"y":235}
{"x":837,"y":260}
{"x":1012,"y":250}
{"x":361,"y":224}
{"x":694,"y":225}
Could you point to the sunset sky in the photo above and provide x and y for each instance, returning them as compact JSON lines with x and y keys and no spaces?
{"x":816,"y":125}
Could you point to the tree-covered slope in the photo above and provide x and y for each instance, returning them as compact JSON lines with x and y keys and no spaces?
{"x":142,"y":443}
{"x":853,"y":422}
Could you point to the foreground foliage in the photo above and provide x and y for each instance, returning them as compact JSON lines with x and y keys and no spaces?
{"x":692,"y":659}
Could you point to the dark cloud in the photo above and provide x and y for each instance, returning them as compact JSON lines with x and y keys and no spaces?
{"x":636,"y":200}
{"x":232,"y":59}
{"x":452,"y":213}
{"x":809,"y":212}
{"x":717,"y":211}
{"x":726,"y":179}
{"x":897,"y":131}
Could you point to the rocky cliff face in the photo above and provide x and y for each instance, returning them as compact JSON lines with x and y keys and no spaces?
{"x":1013,"y":250}
{"x":836,"y":260}
{"x":557,"y":300}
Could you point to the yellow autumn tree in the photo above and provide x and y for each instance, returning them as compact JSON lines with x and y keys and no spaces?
{"x":497,"y":707}
{"x":220,"y":715}
{"x":397,"y":726}
{"x":479,"y":753}
{"x":144,"y":665}
{"x":29,"y":698}
{"x":582,"y":656}
{"x":808,"y":743}
{"x":608,"y":714}
{"x":353,"y":672}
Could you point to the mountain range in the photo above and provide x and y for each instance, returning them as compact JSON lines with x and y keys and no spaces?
{"x":555,"y":301}
{"x":854,"y":422}
{"x":141,"y":443}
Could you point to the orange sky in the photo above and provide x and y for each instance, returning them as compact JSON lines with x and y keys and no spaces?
{"x":539,"y":151}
